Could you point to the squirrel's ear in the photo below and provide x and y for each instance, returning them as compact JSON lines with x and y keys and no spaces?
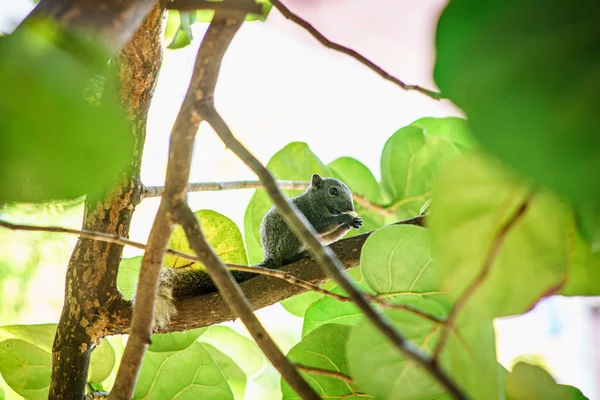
{"x":316,"y":181}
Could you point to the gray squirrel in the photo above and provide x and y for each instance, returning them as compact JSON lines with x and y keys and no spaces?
{"x":326,"y":203}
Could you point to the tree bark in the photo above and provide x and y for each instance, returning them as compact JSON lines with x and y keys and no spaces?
{"x":91,"y":294}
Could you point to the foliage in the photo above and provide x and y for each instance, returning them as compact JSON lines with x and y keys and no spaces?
{"x":511,"y":200}
{"x":69,"y":147}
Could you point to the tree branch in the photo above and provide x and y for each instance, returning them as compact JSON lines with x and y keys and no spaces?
{"x":236,"y":300}
{"x":323,"y":255}
{"x":493,"y":252}
{"x":352,"y":53}
{"x":155,"y":191}
{"x":91,"y":294}
{"x":286,"y":276}
{"x":202,"y":84}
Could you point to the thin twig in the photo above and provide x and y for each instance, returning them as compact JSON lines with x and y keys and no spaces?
{"x":155,"y":191}
{"x":352,"y":53}
{"x":324,"y":256}
{"x":237,"y":301}
{"x":325,"y":372}
{"x":493,"y":252}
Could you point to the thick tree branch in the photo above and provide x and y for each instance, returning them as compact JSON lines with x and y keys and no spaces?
{"x":91,"y":295}
{"x":236,"y":300}
{"x":114,"y":21}
{"x":352,"y":53}
{"x":155,"y":191}
{"x":324,"y":256}
{"x":491,"y":256}
{"x":286,"y":276}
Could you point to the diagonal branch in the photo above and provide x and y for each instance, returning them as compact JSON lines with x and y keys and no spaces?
{"x":492,"y":254}
{"x":324,"y":256}
{"x":236,"y":300}
{"x":352,"y":53}
{"x":202,"y":85}
{"x":155,"y":191}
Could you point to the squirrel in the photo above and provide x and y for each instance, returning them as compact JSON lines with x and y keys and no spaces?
{"x":326,"y":203}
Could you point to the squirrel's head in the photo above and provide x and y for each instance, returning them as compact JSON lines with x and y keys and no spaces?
{"x":334,"y":193}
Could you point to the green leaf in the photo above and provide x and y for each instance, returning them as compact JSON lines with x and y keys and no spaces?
{"x":222,"y":234}
{"x":26,"y":368}
{"x":454,"y":129}
{"x":266,"y":9}
{"x":41,"y":335}
{"x":69,"y":148}
{"x":475,"y":199}
{"x":505,"y":65}
{"x":381,"y":370}
{"x":188,"y":374}
{"x":298,"y":305}
{"x":323,"y":348}
{"x":357,"y":176}
{"x":327,"y":310}
{"x":583,"y":269}
{"x":409,"y":164}
{"x":397,"y":259}
{"x":241,"y":349}
{"x":175,"y":341}
{"x":183,"y":35}
{"x":102,"y":362}
{"x":128,"y":276}
{"x":234,"y":375}
{"x":530,"y":382}
{"x":294,"y":162}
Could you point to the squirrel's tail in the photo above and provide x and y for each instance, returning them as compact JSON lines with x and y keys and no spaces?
{"x":179,"y":283}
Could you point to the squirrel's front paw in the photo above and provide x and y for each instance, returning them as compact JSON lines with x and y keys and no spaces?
{"x":356,"y":222}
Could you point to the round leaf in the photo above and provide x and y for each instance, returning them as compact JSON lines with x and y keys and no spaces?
{"x":102,"y":362}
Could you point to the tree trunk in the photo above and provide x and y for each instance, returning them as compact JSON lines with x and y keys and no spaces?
{"x":91,"y":294}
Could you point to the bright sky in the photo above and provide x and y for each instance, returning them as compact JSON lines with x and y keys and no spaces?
{"x":279,"y":85}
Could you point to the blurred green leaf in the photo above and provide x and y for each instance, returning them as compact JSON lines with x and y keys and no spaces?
{"x":294,"y":162}
{"x":102,"y":362}
{"x":528,"y":82}
{"x":183,"y":36}
{"x":67,"y":147}
{"x":454,"y":129}
{"x":233,"y":373}
{"x":188,"y":374}
{"x":26,"y":368}
{"x":242,"y":350}
{"x":42,"y":335}
{"x":222,"y":234}
{"x":174,"y":341}
{"x":583,"y":269}
{"x":475,"y":197}
{"x":530,"y":382}
{"x":128,"y":276}
{"x":409,"y":163}
{"x":323,"y":348}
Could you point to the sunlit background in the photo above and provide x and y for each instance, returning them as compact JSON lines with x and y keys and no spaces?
{"x":279,"y":85}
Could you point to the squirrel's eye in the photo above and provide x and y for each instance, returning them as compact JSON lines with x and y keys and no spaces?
{"x":333,"y":191}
